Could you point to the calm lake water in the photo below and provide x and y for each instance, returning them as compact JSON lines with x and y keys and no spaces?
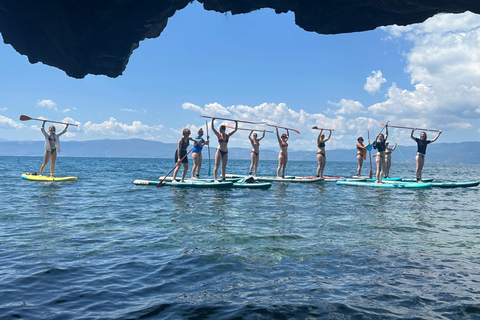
{"x":103,"y":248}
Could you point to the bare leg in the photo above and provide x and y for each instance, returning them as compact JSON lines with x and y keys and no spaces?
{"x":45,"y":161}
{"x":420,"y":162}
{"x":252,"y":165}
{"x":360,"y":163}
{"x":218,"y":159}
{"x":184,"y":173}
{"x":53,"y":158}
{"x":224,"y":165}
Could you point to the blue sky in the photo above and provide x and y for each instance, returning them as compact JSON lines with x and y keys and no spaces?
{"x":262,"y":67}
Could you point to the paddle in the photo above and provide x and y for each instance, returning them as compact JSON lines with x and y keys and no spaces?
{"x":370,"y":155}
{"x":412,"y":128}
{"x":317,"y":128}
{"x":249,"y":129}
{"x":161,"y":182}
{"x":208,"y":138}
{"x":272,"y":125}
{"x":233,"y":120}
{"x":26,"y":118}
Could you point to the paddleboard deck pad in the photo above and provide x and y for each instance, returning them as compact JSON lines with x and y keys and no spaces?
{"x":35,"y":177}
{"x":246,"y":183}
{"x":187,"y":184}
{"x":288,"y":179}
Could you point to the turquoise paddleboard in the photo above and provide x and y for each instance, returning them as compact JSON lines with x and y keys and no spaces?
{"x":386,"y":184}
{"x":455,"y":184}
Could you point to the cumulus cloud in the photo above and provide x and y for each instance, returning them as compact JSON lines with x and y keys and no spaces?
{"x":281,"y":115}
{"x":143,"y":111}
{"x":7,"y":123}
{"x":348,"y":107}
{"x":112,"y":127}
{"x":374,"y":82}
{"x":444,"y":66}
{"x":45,"y":103}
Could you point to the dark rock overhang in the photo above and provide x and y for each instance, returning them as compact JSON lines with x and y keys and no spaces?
{"x":98,"y":36}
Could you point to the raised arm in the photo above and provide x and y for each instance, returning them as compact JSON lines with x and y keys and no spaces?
{"x":278,"y":137}
{"x":318,"y":137}
{"x":386,"y":132}
{"x":263,"y":136}
{"x":438,"y":135}
{"x":411,"y":135}
{"x":213,"y":128}
{"x":329,"y":135}
{"x":250,"y":137}
{"x":234,"y":130}
{"x":63,"y":131}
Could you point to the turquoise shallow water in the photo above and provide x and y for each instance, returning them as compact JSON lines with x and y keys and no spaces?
{"x":103,"y":248}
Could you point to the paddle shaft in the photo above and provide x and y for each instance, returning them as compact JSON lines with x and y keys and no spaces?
{"x":370,"y":154}
{"x":233,"y":120}
{"x":179,"y":161}
{"x":26,"y":118}
{"x":249,"y":129}
{"x":400,"y":127}
{"x":272,"y":125}
{"x":209,"y":165}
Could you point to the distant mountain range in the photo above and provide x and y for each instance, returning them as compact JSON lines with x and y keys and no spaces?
{"x":448,"y":153}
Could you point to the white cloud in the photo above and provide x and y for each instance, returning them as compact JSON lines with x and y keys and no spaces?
{"x":3,"y":109}
{"x":346,"y":130}
{"x":113,"y":128}
{"x":444,"y":66}
{"x":143,"y":111}
{"x":374,"y":82}
{"x":47,"y":104}
{"x":7,"y":123}
{"x":348,"y":107}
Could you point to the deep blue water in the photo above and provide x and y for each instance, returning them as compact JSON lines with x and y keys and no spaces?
{"x":103,"y":248}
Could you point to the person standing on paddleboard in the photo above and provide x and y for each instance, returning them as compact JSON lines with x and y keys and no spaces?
{"x":197,"y":154}
{"x":52,"y":146}
{"x":421,"y":151}
{"x":388,"y":159}
{"x":321,"y":152}
{"x":283,"y":154}
{"x":221,"y":156}
{"x":361,"y":155}
{"x":255,"y":154}
{"x":380,"y":145}
{"x":181,"y":154}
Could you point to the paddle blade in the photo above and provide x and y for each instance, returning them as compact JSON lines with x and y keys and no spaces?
{"x":24,"y":118}
{"x":369,"y":147}
{"x":370,"y":175}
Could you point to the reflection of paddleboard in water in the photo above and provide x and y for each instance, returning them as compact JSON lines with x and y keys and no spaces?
{"x":35,"y":177}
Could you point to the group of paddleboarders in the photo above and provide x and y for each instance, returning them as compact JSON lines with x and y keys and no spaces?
{"x":383,"y":157}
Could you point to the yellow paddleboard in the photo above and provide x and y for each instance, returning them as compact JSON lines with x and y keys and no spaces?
{"x":35,"y":177}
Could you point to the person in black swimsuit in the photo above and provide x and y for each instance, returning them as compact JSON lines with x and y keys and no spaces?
{"x":379,"y":144}
{"x":255,"y":154}
{"x":421,"y":151}
{"x":181,"y":154}
{"x":321,"y":152}
{"x":221,"y":156}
